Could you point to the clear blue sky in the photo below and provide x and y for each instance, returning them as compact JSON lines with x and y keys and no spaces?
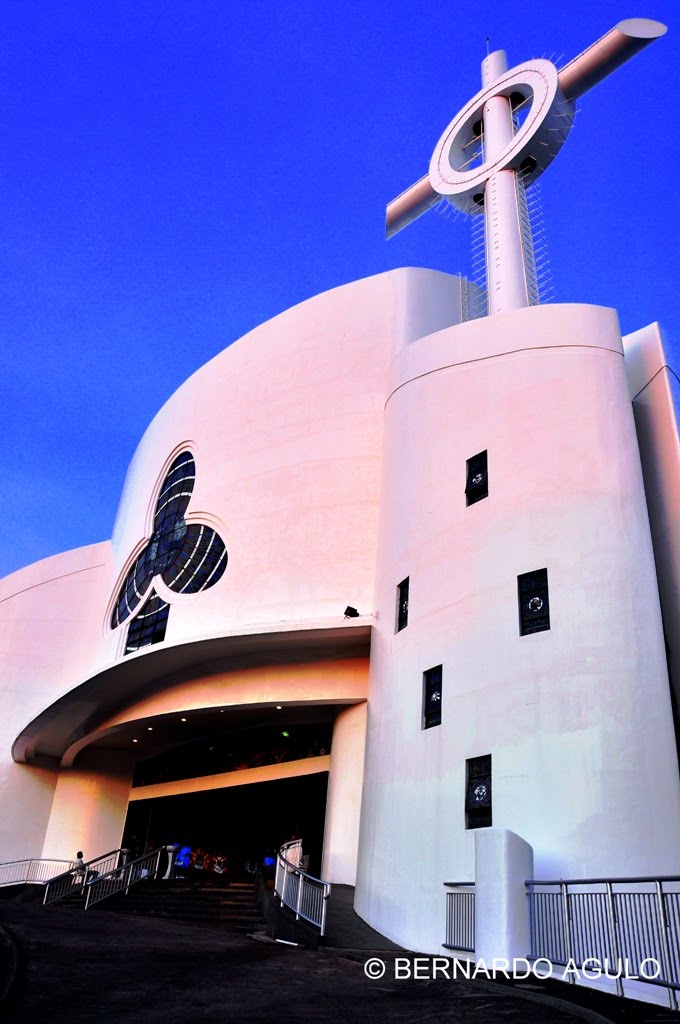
{"x":173,"y":174}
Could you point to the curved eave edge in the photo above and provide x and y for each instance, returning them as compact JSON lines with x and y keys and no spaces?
{"x":77,"y":711}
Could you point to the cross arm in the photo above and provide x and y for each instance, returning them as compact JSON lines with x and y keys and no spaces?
{"x":607,"y":54}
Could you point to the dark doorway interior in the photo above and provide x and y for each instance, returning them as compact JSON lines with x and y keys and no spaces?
{"x":243,"y":823}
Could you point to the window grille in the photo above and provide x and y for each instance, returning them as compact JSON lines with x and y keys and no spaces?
{"x":478,"y":792}
{"x":432,"y":697}
{"x":534,"y":605}
{"x":477,"y":479}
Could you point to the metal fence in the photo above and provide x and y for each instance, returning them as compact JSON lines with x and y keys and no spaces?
{"x":75,"y":879}
{"x":18,"y":872}
{"x":460,"y":916}
{"x":123,"y":877}
{"x":631,"y":924}
{"x":305,"y":895}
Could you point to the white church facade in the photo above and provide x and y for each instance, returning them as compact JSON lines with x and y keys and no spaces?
{"x":493,"y":500}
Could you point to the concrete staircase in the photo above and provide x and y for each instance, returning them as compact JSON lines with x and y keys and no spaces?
{"x":209,"y":901}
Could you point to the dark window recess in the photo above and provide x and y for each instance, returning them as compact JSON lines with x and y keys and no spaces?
{"x":477,"y":479}
{"x":478,"y":792}
{"x":534,"y":607}
{"x":432,"y":697}
{"x":149,"y":626}
{"x":402,"y":604}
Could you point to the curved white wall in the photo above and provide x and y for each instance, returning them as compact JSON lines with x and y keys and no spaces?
{"x":651,"y":383}
{"x":286,"y":429}
{"x":343,"y":805}
{"x":50,"y":637}
{"x":577,"y":719}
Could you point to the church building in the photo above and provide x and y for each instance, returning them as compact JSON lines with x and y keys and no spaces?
{"x":399,"y":565}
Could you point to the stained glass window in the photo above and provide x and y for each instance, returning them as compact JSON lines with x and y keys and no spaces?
{"x":402,"y":604}
{"x":148,"y":627}
{"x":477,"y":479}
{"x":534,"y":606}
{"x":478,"y":792}
{"x":187,"y":556}
{"x":432,"y":697}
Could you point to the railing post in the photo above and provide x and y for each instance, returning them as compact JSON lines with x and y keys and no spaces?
{"x":323,"y":912}
{"x":663,"y":932}
{"x":611,"y":914}
{"x":531,"y":899}
{"x":283,"y":887}
{"x":301,"y":882}
{"x":564,"y":894}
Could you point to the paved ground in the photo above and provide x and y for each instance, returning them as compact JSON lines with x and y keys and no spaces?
{"x":346,"y":930}
{"x":106,"y":968}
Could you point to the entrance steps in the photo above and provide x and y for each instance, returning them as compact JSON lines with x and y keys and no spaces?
{"x":209,"y":902}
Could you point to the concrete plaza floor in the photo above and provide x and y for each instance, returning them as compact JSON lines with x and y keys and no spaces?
{"x":106,"y":968}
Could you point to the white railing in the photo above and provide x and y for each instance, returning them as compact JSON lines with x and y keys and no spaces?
{"x":460,"y":916}
{"x":300,"y":892}
{"x":630,"y":921}
{"x":74,"y":880}
{"x":121,"y":878}
{"x":32,"y":871}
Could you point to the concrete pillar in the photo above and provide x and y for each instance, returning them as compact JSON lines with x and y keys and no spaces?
{"x":343,"y":803}
{"x":170,"y":870}
{"x":503,"y":863}
{"x":89,"y":807}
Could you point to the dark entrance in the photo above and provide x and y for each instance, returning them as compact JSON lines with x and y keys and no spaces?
{"x":241,"y":823}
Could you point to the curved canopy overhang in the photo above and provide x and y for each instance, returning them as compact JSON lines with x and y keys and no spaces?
{"x":64,"y":727}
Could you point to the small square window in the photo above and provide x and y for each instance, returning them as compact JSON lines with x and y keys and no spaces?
{"x":477,"y":479}
{"x":432,"y":697}
{"x":402,"y":605}
{"x":478,"y":792}
{"x":534,"y":606}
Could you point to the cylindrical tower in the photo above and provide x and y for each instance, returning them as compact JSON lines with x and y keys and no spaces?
{"x":531,"y":660}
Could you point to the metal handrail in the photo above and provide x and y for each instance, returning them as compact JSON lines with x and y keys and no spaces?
{"x":31,"y":871}
{"x":74,"y":880}
{"x":301,"y":892}
{"x":123,"y":877}
{"x":460,"y":916}
{"x":636,"y":925}
{"x":602,"y":881}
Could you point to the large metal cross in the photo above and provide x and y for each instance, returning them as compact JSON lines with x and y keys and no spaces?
{"x":521,"y":119}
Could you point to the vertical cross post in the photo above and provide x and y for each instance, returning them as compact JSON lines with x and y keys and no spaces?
{"x":506,"y":280}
